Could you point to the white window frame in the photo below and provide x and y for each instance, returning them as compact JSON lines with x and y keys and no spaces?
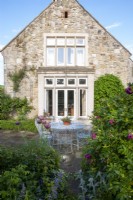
{"x":65,"y":102}
{"x":80,"y":44}
{"x":45,"y":100}
{"x":60,"y":85}
{"x":82,"y":84}
{"x":73,"y":64}
{"x":62,"y":64}
{"x":71,"y":85}
{"x":66,"y":36}
{"x":49,"y":85}
{"x":71,"y":44}
{"x":86,"y":103}
{"x":78,"y":48}
{"x":50,"y":47}
{"x":52,"y":44}
{"x":60,"y":44}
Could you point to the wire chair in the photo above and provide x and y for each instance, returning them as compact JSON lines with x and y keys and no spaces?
{"x":44,"y":134}
{"x":63,"y":139}
{"x":82,"y":136}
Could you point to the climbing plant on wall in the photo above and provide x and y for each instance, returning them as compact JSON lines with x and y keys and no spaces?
{"x":16,"y":77}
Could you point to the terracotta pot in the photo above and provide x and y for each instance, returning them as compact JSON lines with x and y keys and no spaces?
{"x":66,"y":123}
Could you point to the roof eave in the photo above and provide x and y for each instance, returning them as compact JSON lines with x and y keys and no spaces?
{"x":105,"y":29}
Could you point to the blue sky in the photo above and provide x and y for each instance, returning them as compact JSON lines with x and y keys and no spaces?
{"x":115,"y":15}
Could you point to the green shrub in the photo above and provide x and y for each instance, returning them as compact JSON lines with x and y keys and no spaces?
{"x":28,"y":172}
{"x":108,"y":158}
{"x":24,"y":125}
{"x":10,"y":107}
{"x":31,"y":171}
{"x":106,"y":87}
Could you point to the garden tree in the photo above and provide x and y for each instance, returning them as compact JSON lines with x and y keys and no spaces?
{"x":105,"y":87}
{"x":108,"y":158}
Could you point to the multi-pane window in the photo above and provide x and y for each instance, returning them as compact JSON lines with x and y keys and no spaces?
{"x":60,"y":81}
{"x":49,"y":81}
{"x":65,"y":51}
{"x":71,"y":81}
{"x":50,"y":56}
{"x":82,"y":81}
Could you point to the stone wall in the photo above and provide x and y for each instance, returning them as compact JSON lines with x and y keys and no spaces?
{"x":105,"y":54}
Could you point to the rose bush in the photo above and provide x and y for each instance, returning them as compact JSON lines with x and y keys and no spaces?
{"x":108,"y":170}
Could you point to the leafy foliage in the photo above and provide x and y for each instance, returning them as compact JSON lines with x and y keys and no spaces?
{"x":9,"y":107}
{"x":108,"y":158}
{"x":106,"y":87}
{"x":66,"y":119}
{"x":31,"y":171}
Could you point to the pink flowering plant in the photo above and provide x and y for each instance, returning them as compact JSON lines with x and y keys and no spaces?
{"x":107,"y":162}
{"x":43,"y":121}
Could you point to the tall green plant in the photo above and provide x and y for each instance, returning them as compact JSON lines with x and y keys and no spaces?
{"x":106,"y":87}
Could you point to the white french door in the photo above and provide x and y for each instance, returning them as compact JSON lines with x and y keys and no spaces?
{"x":65,"y":102}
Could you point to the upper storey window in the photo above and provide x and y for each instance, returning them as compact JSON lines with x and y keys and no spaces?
{"x":65,"y":51}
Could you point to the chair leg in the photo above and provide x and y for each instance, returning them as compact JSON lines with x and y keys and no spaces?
{"x":71,"y":147}
{"x":78,"y":144}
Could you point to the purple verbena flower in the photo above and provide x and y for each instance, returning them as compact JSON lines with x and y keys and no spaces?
{"x":93,"y":136}
{"x":130,"y":136}
{"x":17,"y":123}
{"x":129,"y":90}
{"x":88,"y":156}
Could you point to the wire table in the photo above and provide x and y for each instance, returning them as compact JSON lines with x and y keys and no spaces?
{"x":66,"y":135}
{"x":60,"y":126}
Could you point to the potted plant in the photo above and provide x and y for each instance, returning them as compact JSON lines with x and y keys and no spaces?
{"x":66,"y":120}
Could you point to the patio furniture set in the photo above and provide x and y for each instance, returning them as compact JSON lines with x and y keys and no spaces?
{"x":65,"y":136}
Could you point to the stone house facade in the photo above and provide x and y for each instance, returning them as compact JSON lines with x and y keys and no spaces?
{"x":63,"y":51}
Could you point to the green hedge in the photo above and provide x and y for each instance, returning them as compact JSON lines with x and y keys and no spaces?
{"x":106,"y":87}
{"x":25,"y":125}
